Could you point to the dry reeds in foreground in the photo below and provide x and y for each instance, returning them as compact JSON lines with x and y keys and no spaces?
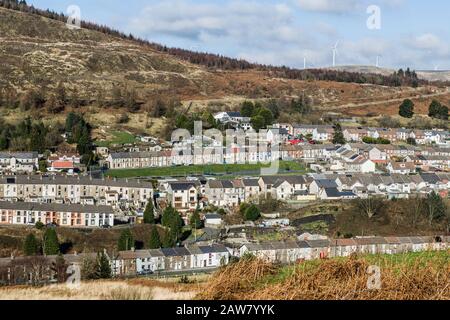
{"x":100,"y":290}
{"x":331,"y":280}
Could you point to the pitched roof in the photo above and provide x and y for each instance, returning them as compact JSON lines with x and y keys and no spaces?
{"x":185,"y":185}
{"x":250,"y":182}
{"x":19,"y":155}
{"x":62,"y":164}
{"x":318,"y":243}
{"x":55,"y":207}
{"x":71,"y":180}
{"x":326,"y":183}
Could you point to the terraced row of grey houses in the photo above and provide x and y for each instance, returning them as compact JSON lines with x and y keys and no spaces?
{"x":191,"y":257}
{"x":65,"y":215}
{"x":76,"y":190}
{"x":38,"y":270}
{"x":293,"y":251}
{"x":186,"y":196}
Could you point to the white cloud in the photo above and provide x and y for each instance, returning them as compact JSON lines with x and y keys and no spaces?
{"x":272,"y":33}
{"x":427,"y":41}
{"x":188,"y":19}
{"x":333,"y":6}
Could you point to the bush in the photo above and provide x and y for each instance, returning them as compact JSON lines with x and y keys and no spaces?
{"x":406,"y":109}
{"x":269,"y":204}
{"x":370,"y":140}
{"x":252,"y":213}
{"x":123,"y":118}
{"x":221,"y":211}
{"x":39,"y":225}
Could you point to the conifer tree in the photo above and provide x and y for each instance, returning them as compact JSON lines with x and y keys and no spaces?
{"x":149,"y":215}
{"x":50,"y":243}
{"x":155,"y":240}
{"x":30,"y":245}
{"x":126,"y":240}
{"x":103,"y":266}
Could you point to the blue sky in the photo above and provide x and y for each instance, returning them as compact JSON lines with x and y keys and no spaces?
{"x":412,"y":33}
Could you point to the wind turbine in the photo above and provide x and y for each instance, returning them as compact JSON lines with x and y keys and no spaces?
{"x":304,"y":61}
{"x":436,"y":68}
{"x":378,"y":61}
{"x":334,"y":53}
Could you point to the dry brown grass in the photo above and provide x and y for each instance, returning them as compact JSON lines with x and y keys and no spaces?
{"x":342,"y":279}
{"x":234,"y":281}
{"x":103,"y":290}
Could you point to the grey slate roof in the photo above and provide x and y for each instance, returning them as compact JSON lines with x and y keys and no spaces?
{"x":20,"y":155}
{"x":250,"y":182}
{"x":326,"y":183}
{"x":318,"y":243}
{"x":71,"y":180}
{"x":55,"y":207}
{"x":182,"y":185}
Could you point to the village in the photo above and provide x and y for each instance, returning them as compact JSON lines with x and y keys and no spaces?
{"x":312,"y":167}
{"x":194,"y":259}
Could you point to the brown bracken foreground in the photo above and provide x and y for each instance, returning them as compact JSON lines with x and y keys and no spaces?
{"x":423,"y":276}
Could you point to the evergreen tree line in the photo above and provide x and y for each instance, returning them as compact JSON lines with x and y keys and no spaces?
{"x":42,"y":98}
{"x":29,"y":135}
{"x":261,"y":117}
{"x":215,"y":61}
{"x":166,"y":232}
{"x":56,"y":100}
{"x":48,"y":244}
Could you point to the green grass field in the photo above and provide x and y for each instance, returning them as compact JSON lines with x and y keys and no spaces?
{"x":229,"y":171}
{"x":120,"y":137}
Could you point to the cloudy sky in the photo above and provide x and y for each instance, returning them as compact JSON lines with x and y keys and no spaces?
{"x":408,"y":33}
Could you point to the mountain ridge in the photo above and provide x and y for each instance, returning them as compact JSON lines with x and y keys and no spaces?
{"x":428,"y":75}
{"x":39,"y":54}
{"x":220,"y":62}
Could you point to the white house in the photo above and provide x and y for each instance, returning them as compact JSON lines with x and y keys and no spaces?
{"x":212,"y":219}
{"x":277,"y":135}
{"x":401,"y":167}
{"x":231,"y":116}
{"x":19,"y":161}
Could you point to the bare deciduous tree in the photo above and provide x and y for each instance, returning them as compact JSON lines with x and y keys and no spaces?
{"x":370,"y":206}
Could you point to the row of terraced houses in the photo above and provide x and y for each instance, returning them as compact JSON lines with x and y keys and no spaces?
{"x":37,"y":270}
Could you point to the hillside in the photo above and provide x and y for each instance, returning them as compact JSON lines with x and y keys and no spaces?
{"x":40,"y":53}
{"x":429,"y":75}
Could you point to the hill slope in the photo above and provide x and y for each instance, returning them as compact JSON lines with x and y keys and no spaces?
{"x":38,"y":52}
{"x":429,"y":75}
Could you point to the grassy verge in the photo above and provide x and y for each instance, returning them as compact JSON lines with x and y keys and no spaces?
{"x":119,"y":137}
{"x":228,"y":170}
